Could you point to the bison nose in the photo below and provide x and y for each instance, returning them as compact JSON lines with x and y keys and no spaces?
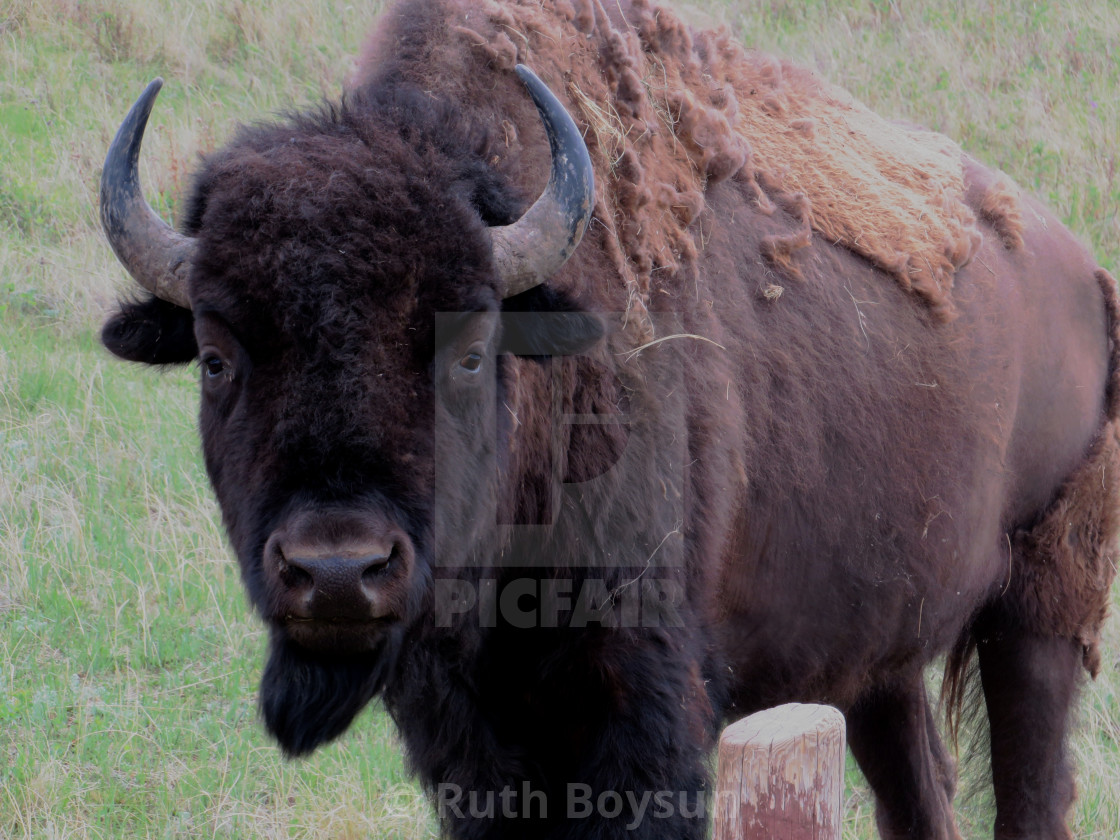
{"x":336,"y":584}
{"x":334,"y":587}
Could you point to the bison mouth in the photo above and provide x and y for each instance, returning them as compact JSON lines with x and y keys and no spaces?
{"x":334,"y":637}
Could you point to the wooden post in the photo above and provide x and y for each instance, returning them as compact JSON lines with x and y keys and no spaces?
{"x":781,"y":775}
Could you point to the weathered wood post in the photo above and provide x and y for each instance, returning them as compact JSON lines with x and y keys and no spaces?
{"x":781,"y":775}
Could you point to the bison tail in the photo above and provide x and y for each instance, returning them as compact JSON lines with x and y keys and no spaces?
{"x":961,"y":697}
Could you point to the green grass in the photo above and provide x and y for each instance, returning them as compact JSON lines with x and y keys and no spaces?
{"x":129,"y":658}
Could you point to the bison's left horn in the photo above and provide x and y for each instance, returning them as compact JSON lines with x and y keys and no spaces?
{"x":534,"y":247}
{"x":156,"y":256}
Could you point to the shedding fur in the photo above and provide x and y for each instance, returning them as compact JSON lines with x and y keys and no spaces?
{"x":670,"y":111}
{"x":998,"y":202}
{"x":1071,"y":555}
{"x":1001,"y":209}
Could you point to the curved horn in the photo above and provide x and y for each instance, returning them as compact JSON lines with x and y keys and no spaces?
{"x":534,"y":247}
{"x":156,"y":256}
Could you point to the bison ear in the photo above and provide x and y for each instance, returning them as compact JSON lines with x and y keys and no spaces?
{"x":151,"y":331}
{"x":542,"y":322}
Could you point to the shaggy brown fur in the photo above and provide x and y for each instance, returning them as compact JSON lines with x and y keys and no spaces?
{"x":1000,"y":207}
{"x":670,"y":112}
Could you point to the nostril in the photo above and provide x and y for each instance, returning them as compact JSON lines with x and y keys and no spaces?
{"x":294,"y":576}
{"x":380,"y":565}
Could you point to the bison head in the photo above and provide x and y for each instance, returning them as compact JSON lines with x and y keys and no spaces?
{"x":316,"y":256}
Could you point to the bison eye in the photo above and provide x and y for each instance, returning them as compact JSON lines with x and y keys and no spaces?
{"x":214,"y":367}
{"x":471,"y":362}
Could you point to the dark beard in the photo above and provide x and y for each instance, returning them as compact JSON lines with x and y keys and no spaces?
{"x":308,"y":698}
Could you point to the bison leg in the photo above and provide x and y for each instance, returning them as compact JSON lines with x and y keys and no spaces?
{"x":1029,"y":684}
{"x":640,"y":772}
{"x":603,"y":734}
{"x":894,"y":738}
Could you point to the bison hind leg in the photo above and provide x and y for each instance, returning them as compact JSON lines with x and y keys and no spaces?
{"x":1029,"y":686}
{"x":893,"y":735}
{"x":1039,"y":631}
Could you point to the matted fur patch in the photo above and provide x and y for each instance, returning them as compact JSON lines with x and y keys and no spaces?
{"x":670,"y":111}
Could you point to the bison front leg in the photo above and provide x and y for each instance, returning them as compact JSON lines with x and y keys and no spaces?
{"x":637,"y":762}
{"x":566,"y":734}
{"x":893,"y":736}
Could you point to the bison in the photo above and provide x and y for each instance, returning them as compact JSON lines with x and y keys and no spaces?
{"x":759,"y":398}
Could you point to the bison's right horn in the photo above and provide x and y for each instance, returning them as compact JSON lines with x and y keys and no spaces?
{"x":534,"y":247}
{"x":156,"y":256}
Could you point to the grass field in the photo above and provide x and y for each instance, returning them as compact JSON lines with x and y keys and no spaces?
{"x":128,"y":655}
